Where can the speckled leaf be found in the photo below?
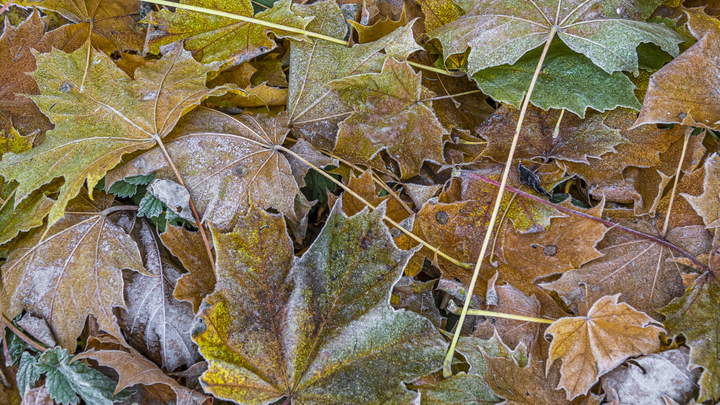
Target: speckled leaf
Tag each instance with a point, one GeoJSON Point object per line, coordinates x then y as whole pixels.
{"type": "Point", "coordinates": [364, 186]}
{"type": "Point", "coordinates": [321, 329]}
{"type": "Point", "coordinates": [439, 12]}
{"type": "Point", "coordinates": [226, 162]}
{"type": "Point", "coordinates": [568, 80]}
{"type": "Point", "coordinates": [590, 346]}
{"type": "Point", "coordinates": [314, 109]}
{"type": "Point", "coordinates": [707, 204]}
{"type": "Point", "coordinates": [461, 388]}
{"type": "Point", "coordinates": [155, 321]}
{"type": "Point", "coordinates": [114, 115]}
{"type": "Point", "coordinates": [696, 316]}
{"type": "Point", "coordinates": [190, 249]}
{"type": "Point", "coordinates": [390, 115]}
{"type": "Point", "coordinates": [213, 38]}
{"type": "Point", "coordinates": [683, 91]}
{"type": "Point", "coordinates": [73, 272]}
{"type": "Point", "coordinates": [576, 140]}
{"type": "Point", "coordinates": [134, 369]}
{"type": "Point", "coordinates": [500, 32]}
{"type": "Point", "coordinates": [29, 213]}
{"type": "Point", "coordinates": [111, 23]}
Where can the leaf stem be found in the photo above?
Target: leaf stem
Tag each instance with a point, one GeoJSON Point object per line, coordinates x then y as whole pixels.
{"type": "Point", "coordinates": [596, 219]}
{"type": "Point", "coordinates": [25, 338]}
{"type": "Point", "coordinates": [677, 177]}
{"type": "Point", "coordinates": [6, 6]}
{"type": "Point", "coordinates": [451, 95]}
{"type": "Point", "coordinates": [284, 28]}
{"type": "Point", "coordinates": [456, 310]}
{"type": "Point", "coordinates": [437, 251]}
{"type": "Point", "coordinates": [201, 228]}
{"type": "Point", "coordinates": [447, 365]}
{"type": "Point", "coordinates": [117, 208]}
{"type": "Point", "coordinates": [556, 132]}
{"type": "Point", "coordinates": [3, 202]}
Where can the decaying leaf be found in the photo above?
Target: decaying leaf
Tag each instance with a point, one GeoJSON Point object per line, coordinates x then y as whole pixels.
{"type": "Point", "coordinates": [101, 118]}
{"type": "Point", "coordinates": [590, 346]}
{"type": "Point", "coordinates": [310, 330]}
{"type": "Point", "coordinates": [707, 204]}
{"type": "Point", "coordinates": [72, 270]}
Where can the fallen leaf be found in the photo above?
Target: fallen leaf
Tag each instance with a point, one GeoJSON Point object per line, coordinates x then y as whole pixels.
{"type": "Point", "coordinates": [646, 380]}
{"type": "Point", "coordinates": [439, 12]}
{"type": "Point", "coordinates": [213, 38]}
{"type": "Point", "coordinates": [364, 186]}
{"type": "Point", "coordinates": [379, 29]}
{"type": "Point", "coordinates": [707, 204]}
{"type": "Point", "coordinates": [318, 325]}
{"type": "Point", "coordinates": [38, 396]}
{"type": "Point", "coordinates": [111, 117]}
{"type": "Point", "coordinates": [417, 297]}
{"type": "Point", "coordinates": [76, 265]}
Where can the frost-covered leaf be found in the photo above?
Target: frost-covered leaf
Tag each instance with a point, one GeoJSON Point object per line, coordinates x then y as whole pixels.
{"type": "Point", "coordinates": [390, 114]}
{"type": "Point", "coordinates": [213, 38]}
{"type": "Point", "coordinates": [500, 32]}
{"type": "Point", "coordinates": [155, 319]}
{"type": "Point", "coordinates": [590, 346]}
{"type": "Point", "coordinates": [112, 116]}
{"type": "Point", "coordinates": [707, 204]}
{"type": "Point", "coordinates": [72, 272]}
{"type": "Point", "coordinates": [320, 327]}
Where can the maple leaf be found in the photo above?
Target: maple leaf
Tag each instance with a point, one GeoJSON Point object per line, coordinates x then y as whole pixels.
{"type": "Point", "coordinates": [188, 247]}
{"type": "Point", "coordinates": [590, 346]}
{"type": "Point", "coordinates": [364, 186]}
{"type": "Point", "coordinates": [500, 32]}
{"type": "Point", "coordinates": [649, 378]}
{"type": "Point", "coordinates": [214, 38]}
{"type": "Point", "coordinates": [313, 108]}
{"type": "Point", "coordinates": [707, 204]}
{"type": "Point", "coordinates": [73, 271]}
{"type": "Point", "coordinates": [319, 324]}
{"type": "Point", "coordinates": [155, 319]}
{"type": "Point", "coordinates": [439, 12]}
{"type": "Point", "coordinates": [390, 114]}
{"type": "Point", "coordinates": [465, 112]}
{"type": "Point", "coordinates": [135, 369]}
{"type": "Point", "coordinates": [568, 80]}
{"type": "Point", "coordinates": [695, 315]}
{"type": "Point", "coordinates": [109, 23]}
{"type": "Point", "coordinates": [226, 162]}
{"type": "Point", "coordinates": [417, 297]}
{"type": "Point", "coordinates": [677, 93]}
{"type": "Point", "coordinates": [576, 140]}
{"type": "Point", "coordinates": [28, 214]}
{"type": "Point", "coordinates": [111, 117]}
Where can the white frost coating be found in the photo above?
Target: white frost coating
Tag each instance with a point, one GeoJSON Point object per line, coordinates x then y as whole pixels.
{"type": "Point", "coordinates": [175, 196]}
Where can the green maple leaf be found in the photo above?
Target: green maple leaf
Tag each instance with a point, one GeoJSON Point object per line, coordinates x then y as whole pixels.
{"type": "Point", "coordinates": [500, 32]}
{"type": "Point", "coordinates": [316, 330]}
{"type": "Point", "coordinates": [111, 116]}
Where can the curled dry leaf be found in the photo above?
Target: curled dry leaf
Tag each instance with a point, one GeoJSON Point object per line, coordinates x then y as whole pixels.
{"type": "Point", "coordinates": [135, 369]}
{"type": "Point", "coordinates": [312, 329]}
{"type": "Point", "coordinates": [390, 114]}
{"type": "Point", "coordinates": [110, 116]}
{"type": "Point", "coordinates": [72, 272]}
{"type": "Point", "coordinates": [707, 204]}
{"type": "Point", "coordinates": [590, 346]}
{"type": "Point", "coordinates": [364, 186]}
{"type": "Point", "coordinates": [227, 163]}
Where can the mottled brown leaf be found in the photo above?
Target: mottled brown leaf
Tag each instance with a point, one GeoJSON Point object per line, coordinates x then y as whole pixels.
{"type": "Point", "coordinates": [707, 204]}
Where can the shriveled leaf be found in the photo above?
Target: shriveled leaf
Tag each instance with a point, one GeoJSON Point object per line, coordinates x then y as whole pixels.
{"type": "Point", "coordinates": [576, 140]}
{"type": "Point", "coordinates": [645, 380]}
{"type": "Point", "coordinates": [379, 29]}
{"type": "Point", "coordinates": [417, 297]}
{"type": "Point", "coordinates": [390, 114]}
{"type": "Point", "coordinates": [29, 213]}
{"type": "Point", "coordinates": [156, 321]}
{"type": "Point", "coordinates": [696, 316]}
{"type": "Point", "coordinates": [680, 91]}
{"type": "Point", "coordinates": [318, 326]}
{"type": "Point", "coordinates": [135, 369]}
{"type": "Point", "coordinates": [213, 38]}
{"type": "Point", "coordinates": [569, 80]}
{"type": "Point", "coordinates": [226, 163]}
{"type": "Point", "coordinates": [590, 346]}
{"type": "Point", "coordinates": [707, 204]}
{"type": "Point", "coordinates": [110, 23]}
{"type": "Point", "coordinates": [38, 396]}
{"type": "Point", "coordinates": [313, 108]}
{"type": "Point", "coordinates": [501, 32]}
{"type": "Point", "coordinates": [190, 249]}
{"type": "Point", "coordinates": [111, 117]}
{"type": "Point", "coordinates": [364, 186]}
{"type": "Point", "coordinates": [73, 272]}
